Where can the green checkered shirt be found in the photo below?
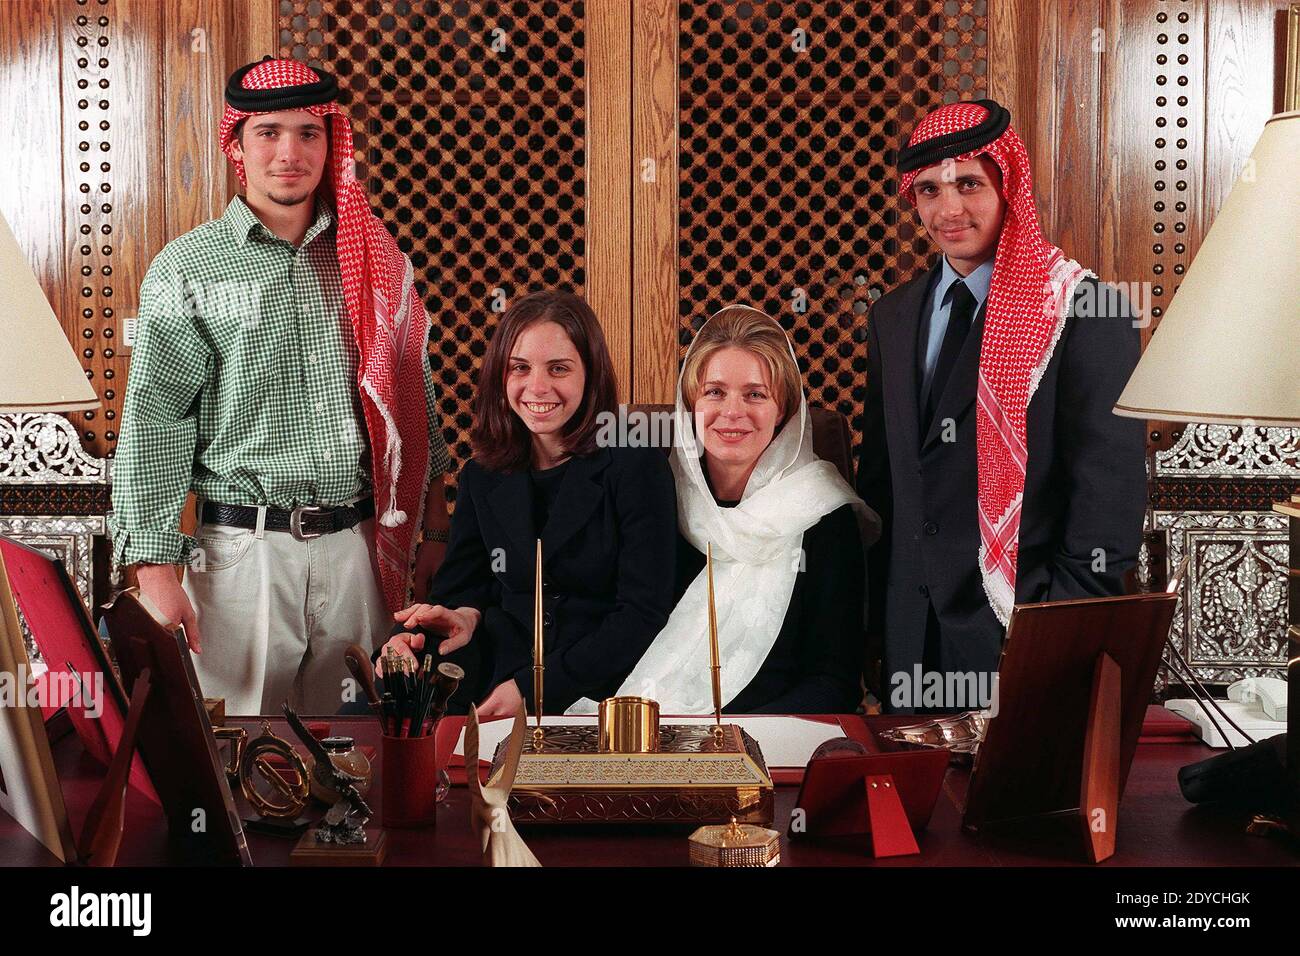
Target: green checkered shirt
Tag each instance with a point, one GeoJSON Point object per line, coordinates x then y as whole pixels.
{"type": "Point", "coordinates": [242, 385]}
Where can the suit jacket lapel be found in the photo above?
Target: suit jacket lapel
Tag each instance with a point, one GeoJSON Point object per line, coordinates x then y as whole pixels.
{"type": "Point", "coordinates": [512, 503]}
{"type": "Point", "coordinates": [959, 394]}
{"type": "Point", "coordinates": [580, 494]}
{"type": "Point", "coordinates": [898, 355]}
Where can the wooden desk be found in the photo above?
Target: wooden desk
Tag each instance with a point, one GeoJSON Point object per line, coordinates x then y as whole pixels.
{"type": "Point", "coordinates": [1157, 827]}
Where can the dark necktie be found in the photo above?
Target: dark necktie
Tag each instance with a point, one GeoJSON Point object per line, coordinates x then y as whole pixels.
{"type": "Point", "coordinates": [960, 316]}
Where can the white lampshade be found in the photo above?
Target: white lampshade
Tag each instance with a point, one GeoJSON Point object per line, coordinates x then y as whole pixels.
{"type": "Point", "coordinates": [39, 372]}
{"type": "Point", "coordinates": [1228, 349]}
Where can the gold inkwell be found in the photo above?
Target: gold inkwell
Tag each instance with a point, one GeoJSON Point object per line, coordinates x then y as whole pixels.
{"type": "Point", "coordinates": [628, 768]}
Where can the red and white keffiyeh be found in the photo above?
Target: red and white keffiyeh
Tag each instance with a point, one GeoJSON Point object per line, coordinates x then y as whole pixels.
{"type": "Point", "coordinates": [389, 324]}
{"type": "Point", "coordinates": [1033, 283]}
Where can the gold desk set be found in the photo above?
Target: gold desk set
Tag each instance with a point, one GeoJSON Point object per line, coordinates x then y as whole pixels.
{"type": "Point", "coordinates": [627, 768]}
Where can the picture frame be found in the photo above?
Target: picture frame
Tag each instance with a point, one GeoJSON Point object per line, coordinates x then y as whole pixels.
{"type": "Point", "coordinates": [175, 735]}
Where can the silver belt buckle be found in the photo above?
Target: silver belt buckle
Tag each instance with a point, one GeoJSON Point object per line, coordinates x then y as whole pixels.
{"type": "Point", "coordinates": [295, 521]}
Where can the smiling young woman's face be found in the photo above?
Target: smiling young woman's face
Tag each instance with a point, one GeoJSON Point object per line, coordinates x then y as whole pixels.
{"type": "Point", "coordinates": [736, 413]}
{"type": "Point", "coordinates": [544, 379]}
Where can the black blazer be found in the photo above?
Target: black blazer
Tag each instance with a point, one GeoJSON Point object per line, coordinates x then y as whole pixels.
{"type": "Point", "coordinates": [1085, 487]}
{"type": "Point", "coordinates": [607, 562]}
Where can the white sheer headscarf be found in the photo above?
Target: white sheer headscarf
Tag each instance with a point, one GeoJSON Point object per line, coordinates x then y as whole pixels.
{"type": "Point", "coordinates": [757, 556]}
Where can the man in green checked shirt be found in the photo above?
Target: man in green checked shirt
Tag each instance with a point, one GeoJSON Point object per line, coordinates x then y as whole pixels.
{"type": "Point", "coordinates": [281, 373]}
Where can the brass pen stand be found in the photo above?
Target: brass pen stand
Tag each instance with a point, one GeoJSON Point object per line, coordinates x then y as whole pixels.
{"type": "Point", "coordinates": [682, 773]}
{"type": "Point", "coordinates": [628, 769]}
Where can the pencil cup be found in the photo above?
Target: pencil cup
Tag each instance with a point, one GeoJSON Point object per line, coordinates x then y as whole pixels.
{"type": "Point", "coordinates": [408, 773]}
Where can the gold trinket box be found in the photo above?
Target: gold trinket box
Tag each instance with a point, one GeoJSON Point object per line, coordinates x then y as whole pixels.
{"type": "Point", "coordinates": [735, 844]}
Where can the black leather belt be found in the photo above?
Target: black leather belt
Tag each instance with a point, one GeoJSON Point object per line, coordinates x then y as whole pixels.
{"type": "Point", "coordinates": [303, 522]}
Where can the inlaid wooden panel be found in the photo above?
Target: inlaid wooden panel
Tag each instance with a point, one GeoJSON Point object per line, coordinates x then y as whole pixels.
{"type": "Point", "coordinates": [654, 199]}
{"type": "Point", "coordinates": [1046, 62]}
{"type": "Point", "coordinates": [470, 122]}
{"type": "Point", "coordinates": [608, 179]}
{"type": "Point", "coordinates": [192, 102]}
{"type": "Point", "coordinates": [31, 123]}
{"type": "Point", "coordinates": [790, 120]}
{"type": "Point", "coordinates": [1154, 117]}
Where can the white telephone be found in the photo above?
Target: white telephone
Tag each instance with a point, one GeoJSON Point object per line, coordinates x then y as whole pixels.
{"type": "Point", "coordinates": [1267, 693]}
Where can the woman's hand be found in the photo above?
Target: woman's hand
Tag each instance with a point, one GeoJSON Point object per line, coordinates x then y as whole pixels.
{"type": "Point", "coordinates": [402, 645]}
{"type": "Point", "coordinates": [458, 625]}
{"type": "Point", "coordinates": [502, 702]}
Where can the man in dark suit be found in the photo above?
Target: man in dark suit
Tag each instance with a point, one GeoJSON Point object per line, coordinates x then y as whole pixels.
{"type": "Point", "coordinates": [989, 446]}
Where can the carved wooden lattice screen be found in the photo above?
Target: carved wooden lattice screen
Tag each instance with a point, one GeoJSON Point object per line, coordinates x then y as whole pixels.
{"type": "Point", "coordinates": [471, 123]}
{"type": "Point", "coordinates": [790, 118]}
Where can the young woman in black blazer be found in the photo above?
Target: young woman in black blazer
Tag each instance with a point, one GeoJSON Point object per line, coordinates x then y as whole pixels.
{"type": "Point", "coordinates": [607, 518]}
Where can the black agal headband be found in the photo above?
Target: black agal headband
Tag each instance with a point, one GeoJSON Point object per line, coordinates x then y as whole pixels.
{"type": "Point", "coordinates": [326, 90]}
{"type": "Point", "coordinates": [950, 145]}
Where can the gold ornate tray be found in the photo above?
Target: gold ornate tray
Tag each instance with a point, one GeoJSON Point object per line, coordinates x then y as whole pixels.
{"type": "Point", "coordinates": [694, 778]}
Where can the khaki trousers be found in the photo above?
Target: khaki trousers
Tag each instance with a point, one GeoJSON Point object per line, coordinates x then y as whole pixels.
{"type": "Point", "coordinates": [276, 614]}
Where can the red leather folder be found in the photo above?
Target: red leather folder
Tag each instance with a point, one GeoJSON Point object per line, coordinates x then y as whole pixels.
{"type": "Point", "coordinates": [1161, 726]}
{"type": "Point", "coordinates": [68, 642]}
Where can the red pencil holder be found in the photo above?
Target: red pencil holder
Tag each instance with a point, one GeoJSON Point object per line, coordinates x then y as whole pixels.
{"type": "Point", "coordinates": [408, 775]}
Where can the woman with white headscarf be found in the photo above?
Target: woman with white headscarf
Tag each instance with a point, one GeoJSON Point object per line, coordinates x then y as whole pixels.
{"type": "Point", "coordinates": [787, 532]}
